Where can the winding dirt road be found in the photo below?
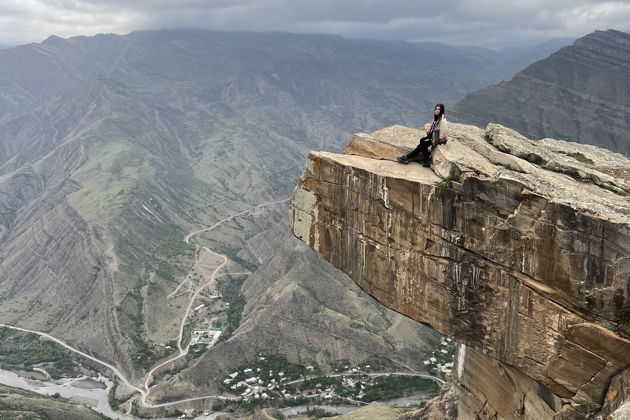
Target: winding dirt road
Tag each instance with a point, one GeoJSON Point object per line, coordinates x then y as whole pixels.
{"type": "Point", "coordinates": [144, 391]}
{"type": "Point", "coordinates": [183, 351]}
{"type": "Point", "coordinates": [79, 352]}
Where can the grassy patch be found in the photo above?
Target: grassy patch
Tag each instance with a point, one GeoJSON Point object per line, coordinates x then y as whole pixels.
{"type": "Point", "coordinates": [398, 386]}
{"type": "Point", "coordinates": [580, 157]}
{"type": "Point", "coordinates": [444, 183]}
{"type": "Point", "coordinates": [231, 292]}
{"type": "Point", "coordinates": [232, 254]}
{"type": "Point", "coordinates": [275, 413]}
{"type": "Point", "coordinates": [164, 315]}
{"type": "Point", "coordinates": [111, 396]}
{"type": "Point", "coordinates": [144, 354]}
{"type": "Point", "coordinates": [318, 413]}
{"type": "Point", "coordinates": [156, 273]}
{"type": "Point", "coordinates": [22, 351]}
{"type": "Point", "coordinates": [171, 260]}
{"type": "Point", "coordinates": [113, 169]}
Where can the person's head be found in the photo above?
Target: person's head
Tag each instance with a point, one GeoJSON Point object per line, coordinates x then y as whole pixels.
{"type": "Point", "coordinates": [438, 111]}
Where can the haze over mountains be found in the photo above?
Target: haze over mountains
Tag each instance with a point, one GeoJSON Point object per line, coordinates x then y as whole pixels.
{"type": "Point", "coordinates": [579, 93]}
{"type": "Point", "coordinates": [508, 61]}
{"type": "Point", "coordinates": [113, 148]}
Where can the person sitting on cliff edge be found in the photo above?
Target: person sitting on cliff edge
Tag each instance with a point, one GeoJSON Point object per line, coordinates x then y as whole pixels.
{"type": "Point", "coordinates": [437, 134]}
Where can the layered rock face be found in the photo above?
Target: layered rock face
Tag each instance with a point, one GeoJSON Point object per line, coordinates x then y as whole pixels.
{"type": "Point", "coordinates": [519, 250]}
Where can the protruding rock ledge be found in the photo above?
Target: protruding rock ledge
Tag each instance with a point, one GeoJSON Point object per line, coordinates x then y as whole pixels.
{"type": "Point", "coordinates": [518, 249]}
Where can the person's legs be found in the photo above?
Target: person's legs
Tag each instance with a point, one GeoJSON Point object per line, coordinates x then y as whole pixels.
{"type": "Point", "coordinates": [415, 152]}
{"type": "Point", "coordinates": [426, 155]}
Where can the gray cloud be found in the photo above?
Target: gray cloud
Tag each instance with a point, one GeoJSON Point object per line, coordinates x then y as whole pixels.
{"type": "Point", "coordinates": [488, 23]}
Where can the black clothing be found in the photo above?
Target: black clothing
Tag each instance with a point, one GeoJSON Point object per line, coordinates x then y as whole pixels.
{"type": "Point", "coordinates": [423, 147]}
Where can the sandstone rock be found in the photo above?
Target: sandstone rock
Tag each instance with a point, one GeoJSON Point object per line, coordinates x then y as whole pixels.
{"type": "Point", "coordinates": [440, 408]}
{"type": "Point", "coordinates": [617, 401]}
{"type": "Point", "coordinates": [516, 249]}
{"type": "Point", "coordinates": [558, 156]}
{"type": "Point", "coordinates": [365, 145]}
{"type": "Point", "coordinates": [623, 413]}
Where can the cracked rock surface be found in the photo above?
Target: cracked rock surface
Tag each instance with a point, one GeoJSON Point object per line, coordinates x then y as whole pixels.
{"type": "Point", "coordinates": [520, 250]}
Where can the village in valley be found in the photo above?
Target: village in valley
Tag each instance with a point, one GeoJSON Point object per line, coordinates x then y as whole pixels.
{"type": "Point", "coordinates": [274, 381]}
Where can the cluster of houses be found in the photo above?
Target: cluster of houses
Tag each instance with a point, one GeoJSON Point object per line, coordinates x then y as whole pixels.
{"type": "Point", "coordinates": [254, 387]}
{"type": "Point", "coordinates": [280, 380]}
{"type": "Point", "coordinates": [278, 385]}
{"type": "Point", "coordinates": [442, 360]}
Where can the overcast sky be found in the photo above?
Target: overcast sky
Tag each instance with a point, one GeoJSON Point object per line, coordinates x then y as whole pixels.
{"type": "Point", "coordinates": [488, 23]}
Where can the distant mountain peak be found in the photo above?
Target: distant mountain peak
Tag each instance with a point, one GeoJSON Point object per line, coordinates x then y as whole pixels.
{"type": "Point", "coordinates": [611, 42]}
{"type": "Point", "coordinates": [608, 32]}
{"type": "Point", "coordinates": [607, 35]}
{"type": "Point", "coordinates": [579, 93]}
{"type": "Point", "coordinates": [53, 40]}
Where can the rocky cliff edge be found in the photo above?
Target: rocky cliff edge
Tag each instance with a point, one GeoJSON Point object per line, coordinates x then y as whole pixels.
{"type": "Point", "coordinates": [518, 249]}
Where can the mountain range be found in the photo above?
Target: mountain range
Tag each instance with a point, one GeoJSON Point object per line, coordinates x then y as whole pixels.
{"type": "Point", "coordinates": [579, 93]}
{"type": "Point", "coordinates": [114, 148]}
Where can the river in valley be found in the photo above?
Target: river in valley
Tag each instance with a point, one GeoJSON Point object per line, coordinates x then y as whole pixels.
{"type": "Point", "coordinates": [94, 393]}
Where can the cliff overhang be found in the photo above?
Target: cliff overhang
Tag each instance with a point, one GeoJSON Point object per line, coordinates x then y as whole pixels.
{"type": "Point", "coordinates": [519, 250]}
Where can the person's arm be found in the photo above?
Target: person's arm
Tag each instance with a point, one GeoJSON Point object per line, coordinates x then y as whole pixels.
{"type": "Point", "coordinates": [443, 129]}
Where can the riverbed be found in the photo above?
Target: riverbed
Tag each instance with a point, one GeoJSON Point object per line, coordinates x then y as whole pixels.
{"type": "Point", "coordinates": [92, 392]}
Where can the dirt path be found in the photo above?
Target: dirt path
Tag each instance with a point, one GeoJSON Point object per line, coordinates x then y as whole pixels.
{"type": "Point", "coordinates": [80, 353]}
{"type": "Point", "coordinates": [183, 351]}
{"type": "Point", "coordinates": [144, 391]}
